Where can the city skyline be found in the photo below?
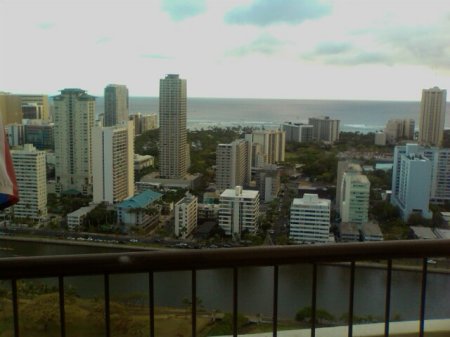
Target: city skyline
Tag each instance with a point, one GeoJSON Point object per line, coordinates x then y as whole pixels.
{"type": "Point", "coordinates": [302, 49]}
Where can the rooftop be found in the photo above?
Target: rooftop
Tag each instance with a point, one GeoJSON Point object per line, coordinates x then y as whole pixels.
{"type": "Point", "coordinates": [141, 200]}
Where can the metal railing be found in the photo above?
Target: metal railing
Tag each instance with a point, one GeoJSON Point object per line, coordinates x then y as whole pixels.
{"type": "Point", "coordinates": [19, 268]}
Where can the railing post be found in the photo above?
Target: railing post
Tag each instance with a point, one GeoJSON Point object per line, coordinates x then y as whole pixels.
{"type": "Point", "coordinates": [314, 300]}
{"type": "Point", "coordinates": [235, 302]}
{"type": "Point", "coordinates": [275, 301]}
{"type": "Point", "coordinates": [387, 312]}
{"type": "Point", "coordinates": [62, 313]}
{"type": "Point", "coordinates": [15, 307]}
{"type": "Point", "coordinates": [107, 308]}
{"type": "Point", "coordinates": [423, 297]}
{"type": "Point", "coordinates": [351, 299]}
{"type": "Point", "coordinates": [151, 299]}
{"type": "Point", "coordinates": [194, 302]}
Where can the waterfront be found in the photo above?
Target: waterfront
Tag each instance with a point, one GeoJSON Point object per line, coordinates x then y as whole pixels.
{"type": "Point", "coordinates": [362, 116]}
{"type": "Point", "coordinates": [255, 286]}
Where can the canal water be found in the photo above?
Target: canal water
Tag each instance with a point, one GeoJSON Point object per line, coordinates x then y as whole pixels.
{"type": "Point", "coordinates": [214, 287]}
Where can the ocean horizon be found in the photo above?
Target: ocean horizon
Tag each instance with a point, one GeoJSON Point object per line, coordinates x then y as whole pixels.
{"type": "Point", "coordinates": [355, 115]}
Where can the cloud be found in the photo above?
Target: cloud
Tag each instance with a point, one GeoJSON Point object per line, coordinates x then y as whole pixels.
{"type": "Point", "coordinates": [265, 44]}
{"type": "Point", "coordinates": [103, 40]}
{"type": "Point", "coordinates": [391, 44]}
{"type": "Point", "coordinates": [179, 10]}
{"type": "Point", "coordinates": [156, 56]}
{"type": "Point", "coordinates": [331, 48]}
{"type": "Point", "coordinates": [268, 12]}
{"type": "Point", "coordinates": [45, 25]}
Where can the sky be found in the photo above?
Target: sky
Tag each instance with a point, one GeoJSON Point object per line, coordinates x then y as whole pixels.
{"type": "Point", "coordinates": [301, 49]}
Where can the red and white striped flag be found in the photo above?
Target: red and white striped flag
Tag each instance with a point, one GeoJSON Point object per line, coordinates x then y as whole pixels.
{"type": "Point", "coordinates": [9, 195]}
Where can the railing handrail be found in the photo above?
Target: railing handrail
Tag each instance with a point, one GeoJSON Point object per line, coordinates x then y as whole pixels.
{"type": "Point", "coordinates": [135, 262]}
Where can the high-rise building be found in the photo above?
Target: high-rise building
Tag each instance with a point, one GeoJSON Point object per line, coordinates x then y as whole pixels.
{"type": "Point", "coordinates": [310, 219]}
{"type": "Point", "coordinates": [143, 122]}
{"type": "Point", "coordinates": [35, 106]}
{"type": "Point", "coordinates": [268, 182]}
{"type": "Point", "coordinates": [440, 170]}
{"type": "Point", "coordinates": [40, 134]}
{"type": "Point", "coordinates": [271, 147]}
{"type": "Point", "coordinates": [116, 104]}
{"type": "Point", "coordinates": [355, 194]}
{"type": "Point", "coordinates": [10, 109]}
{"type": "Point", "coordinates": [174, 151]}
{"type": "Point", "coordinates": [298, 132]}
{"type": "Point", "coordinates": [411, 181]}
{"type": "Point", "coordinates": [399, 129]}
{"type": "Point", "coordinates": [186, 216]}
{"type": "Point", "coordinates": [325, 129]}
{"type": "Point", "coordinates": [15, 133]}
{"type": "Point", "coordinates": [113, 162]}
{"type": "Point", "coordinates": [29, 165]}
{"type": "Point", "coordinates": [432, 116]}
{"type": "Point", "coordinates": [74, 112]}
{"type": "Point", "coordinates": [238, 211]}
{"type": "Point", "coordinates": [233, 164]}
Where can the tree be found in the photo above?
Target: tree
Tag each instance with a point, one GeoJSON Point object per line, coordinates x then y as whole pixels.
{"type": "Point", "coordinates": [322, 316]}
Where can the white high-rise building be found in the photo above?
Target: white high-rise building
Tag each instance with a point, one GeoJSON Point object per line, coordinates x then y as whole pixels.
{"type": "Point", "coordinates": [355, 194]}
{"type": "Point", "coordinates": [310, 219]}
{"type": "Point", "coordinates": [186, 216]}
{"type": "Point", "coordinates": [238, 211]}
{"type": "Point", "coordinates": [113, 162]}
{"type": "Point", "coordinates": [233, 164]}
{"type": "Point", "coordinates": [271, 149]}
{"type": "Point", "coordinates": [74, 115]}
{"type": "Point", "coordinates": [174, 150]}
{"type": "Point", "coordinates": [325, 129]}
{"type": "Point", "coordinates": [116, 104]}
{"type": "Point", "coordinates": [30, 167]}
{"type": "Point", "coordinates": [432, 116]}
{"type": "Point", "coordinates": [411, 181]}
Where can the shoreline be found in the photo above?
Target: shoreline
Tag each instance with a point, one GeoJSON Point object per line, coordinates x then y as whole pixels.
{"type": "Point", "coordinates": [126, 247]}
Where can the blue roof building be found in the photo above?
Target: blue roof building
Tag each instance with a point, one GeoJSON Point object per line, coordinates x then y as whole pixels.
{"type": "Point", "coordinates": [140, 211]}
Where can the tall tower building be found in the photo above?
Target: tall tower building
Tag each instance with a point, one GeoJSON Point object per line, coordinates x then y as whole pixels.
{"type": "Point", "coordinates": [173, 155]}
{"type": "Point", "coordinates": [116, 104]}
{"type": "Point", "coordinates": [113, 162]}
{"type": "Point", "coordinates": [74, 112]}
{"type": "Point", "coordinates": [432, 116]}
{"type": "Point", "coordinates": [29, 164]}
{"type": "Point", "coordinates": [233, 164]}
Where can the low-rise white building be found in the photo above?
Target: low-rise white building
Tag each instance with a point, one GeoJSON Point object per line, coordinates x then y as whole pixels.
{"type": "Point", "coordinates": [310, 219]}
{"type": "Point", "coordinates": [142, 162]}
{"type": "Point", "coordinates": [186, 216]}
{"type": "Point", "coordinates": [75, 219]}
{"type": "Point", "coordinates": [239, 211]}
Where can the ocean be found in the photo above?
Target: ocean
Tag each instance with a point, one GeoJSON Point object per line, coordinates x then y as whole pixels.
{"type": "Point", "coordinates": [362, 116]}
